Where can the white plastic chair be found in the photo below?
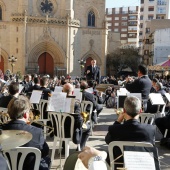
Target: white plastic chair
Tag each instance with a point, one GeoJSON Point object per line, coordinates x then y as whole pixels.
{"type": "Point", "coordinates": [12, 156]}
{"type": "Point", "coordinates": [120, 144]}
{"type": "Point", "coordinates": [84, 105]}
{"type": "Point", "coordinates": [146, 118]}
{"type": "Point", "coordinates": [58, 122]}
{"type": "Point", "coordinates": [42, 107]}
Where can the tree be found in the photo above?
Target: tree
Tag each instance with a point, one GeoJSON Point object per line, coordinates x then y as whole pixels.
{"type": "Point", "coordinates": [123, 58]}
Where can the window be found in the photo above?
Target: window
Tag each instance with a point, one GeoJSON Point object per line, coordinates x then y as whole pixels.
{"type": "Point", "coordinates": [109, 24]}
{"type": "Point", "coordinates": [123, 35]}
{"type": "Point", "coordinates": [91, 19]}
{"type": "Point", "coordinates": [150, 17]}
{"type": "Point", "coordinates": [116, 30]}
{"type": "Point", "coordinates": [141, 9]}
{"type": "Point", "coordinates": [116, 24]}
{"type": "Point", "coordinates": [0, 13]}
{"type": "Point", "coordinates": [124, 23]}
{"type": "Point", "coordinates": [116, 18]}
{"type": "Point", "coordinates": [124, 18]}
{"type": "Point", "coordinates": [141, 17]}
{"type": "Point", "coordinates": [109, 11]}
{"type": "Point", "coordinates": [124, 29]}
{"type": "Point", "coordinates": [147, 30]}
{"type": "Point", "coordinates": [141, 25]}
{"type": "Point", "coordinates": [142, 1]}
{"type": "Point", "coordinates": [151, 9]}
{"type": "Point", "coordinates": [109, 18]}
{"type": "Point", "coordinates": [151, 0]}
{"type": "Point", "coordinates": [141, 33]}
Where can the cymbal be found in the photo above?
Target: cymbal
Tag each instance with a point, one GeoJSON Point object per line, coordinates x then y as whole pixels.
{"type": "Point", "coordinates": [10, 139]}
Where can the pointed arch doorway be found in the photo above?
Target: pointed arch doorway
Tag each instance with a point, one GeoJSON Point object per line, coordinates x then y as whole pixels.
{"type": "Point", "coordinates": [46, 64]}
{"type": "Point", "coordinates": [2, 63]}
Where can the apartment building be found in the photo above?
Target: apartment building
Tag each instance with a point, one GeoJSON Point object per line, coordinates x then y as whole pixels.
{"type": "Point", "coordinates": [149, 10]}
{"type": "Point", "coordinates": [125, 20]}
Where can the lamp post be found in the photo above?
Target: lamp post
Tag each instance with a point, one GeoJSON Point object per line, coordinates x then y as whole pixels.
{"type": "Point", "coordinates": [82, 62]}
{"type": "Point", "coordinates": [12, 60]}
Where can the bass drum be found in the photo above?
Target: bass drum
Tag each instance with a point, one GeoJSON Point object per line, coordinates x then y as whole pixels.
{"type": "Point", "coordinates": [74, 163]}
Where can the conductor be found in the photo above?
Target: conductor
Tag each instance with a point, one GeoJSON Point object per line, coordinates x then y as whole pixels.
{"type": "Point", "coordinates": [93, 72]}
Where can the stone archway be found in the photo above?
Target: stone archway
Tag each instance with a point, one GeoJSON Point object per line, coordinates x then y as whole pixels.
{"type": "Point", "coordinates": [2, 63]}
{"type": "Point", "coordinates": [56, 53]}
{"type": "Point", "coordinates": [3, 60]}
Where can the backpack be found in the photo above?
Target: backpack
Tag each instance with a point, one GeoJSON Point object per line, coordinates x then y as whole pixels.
{"type": "Point", "coordinates": [110, 102]}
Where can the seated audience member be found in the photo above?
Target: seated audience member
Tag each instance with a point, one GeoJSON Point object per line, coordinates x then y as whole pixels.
{"type": "Point", "coordinates": [154, 81]}
{"type": "Point", "coordinates": [159, 89]}
{"type": "Point", "coordinates": [80, 135]}
{"type": "Point", "coordinates": [163, 123]}
{"type": "Point", "coordinates": [13, 90]}
{"type": "Point", "coordinates": [130, 129]}
{"type": "Point", "coordinates": [46, 92]}
{"type": "Point", "coordinates": [90, 97]}
{"type": "Point", "coordinates": [93, 159]}
{"type": "Point", "coordinates": [18, 110]}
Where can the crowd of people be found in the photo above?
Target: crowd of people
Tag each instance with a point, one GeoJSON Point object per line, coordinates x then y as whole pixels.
{"type": "Point", "coordinates": [126, 128]}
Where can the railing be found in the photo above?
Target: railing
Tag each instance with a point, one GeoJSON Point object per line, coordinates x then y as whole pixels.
{"type": "Point", "coordinates": [20, 17]}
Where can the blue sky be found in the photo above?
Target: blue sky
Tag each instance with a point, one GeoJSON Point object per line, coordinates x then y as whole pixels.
{"type": "Point", "coordinates": [120, 3]}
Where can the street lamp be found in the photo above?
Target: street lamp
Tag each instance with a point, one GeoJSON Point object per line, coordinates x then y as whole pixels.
{"type": "Point", "coordinates": [82, 62]}
{"type": "Point", "coordinates": [12, 60]}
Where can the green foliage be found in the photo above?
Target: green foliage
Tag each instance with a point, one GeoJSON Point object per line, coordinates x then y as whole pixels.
{"type": "Point", "coordinates": [123, 58]}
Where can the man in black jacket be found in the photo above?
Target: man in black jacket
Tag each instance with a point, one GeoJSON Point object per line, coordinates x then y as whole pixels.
{"type": "Point", "coordinates": [131, 129]}
{"type": "Point", "coordinates": [90, 97]}
{"type": "Point", "coordinates": [141, 85]}
{"type": "Point", "coordinates": [18, 110]}
{"type": "Point", "coordinates": [13, 90]}
{"type": "Point", "coordinates": [80, 135]}
{"type": "Point", "coordinates": [93, 72]}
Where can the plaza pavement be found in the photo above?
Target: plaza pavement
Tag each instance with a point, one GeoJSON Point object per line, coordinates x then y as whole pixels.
{"type": "Point", "coordinates": [107, 117]}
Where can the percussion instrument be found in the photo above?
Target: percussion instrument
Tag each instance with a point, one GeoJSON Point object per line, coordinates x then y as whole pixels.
{"type": "Point", "coordinates": [10, 139]}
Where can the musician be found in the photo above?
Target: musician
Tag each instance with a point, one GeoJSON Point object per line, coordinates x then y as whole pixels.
{"type": "Point", "coordinates": [90, 97]}
{"type": "Point", "coordinates": [141, 85]}
{"type": "Point", "coordinates": [93, 72]}
{"type": "Point", "coordinates": [27, 83]}
{"type": "Point", "coordinates": [18, 110]}
{"type": "Point", "coordinates": [80, 135]}
{"type": "Point", "coordinates": [36, 85]}
{"type": "Point", "coordinates": [46, 92]}
{"type": "Point", "coordinates": [131, 129]}
{"type": "Point", "coordinates": [13, 90]}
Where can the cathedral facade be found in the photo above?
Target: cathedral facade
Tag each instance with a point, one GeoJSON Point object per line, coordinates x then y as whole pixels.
{"type": "Point", "coordinates": [52, 36]}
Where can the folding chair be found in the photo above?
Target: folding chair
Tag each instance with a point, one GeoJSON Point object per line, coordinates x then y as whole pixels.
{"type": "Point", "coordinates": [146, 118]}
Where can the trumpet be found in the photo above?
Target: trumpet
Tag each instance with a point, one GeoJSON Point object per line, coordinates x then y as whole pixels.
{"type": "Point", "coordinates": [119, 111]}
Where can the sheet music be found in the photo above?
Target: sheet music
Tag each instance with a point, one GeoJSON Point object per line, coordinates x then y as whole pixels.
{"type": "Point", "coordinates": [139, 160]}
{"type": "Point", "coordinates": [122, 92]}
{"type": "Point", "coordinates": [89, 90]}
{"type": "Point", "coordinates": [20, 88]}
{"type": "Point", "coordinates": [69, 105]}
{"type": "Point", "coordinates": [57, 102]}
{"type": "Point", "coordinates": [58, 89]}
{"type": "Point", "coordinates": [35, 96]}
{"type": "Point", "coordinates": [167, 96]}
{"type": "Point", "coordinates": [78, 94]}
{"type": "Point", "coordinates": [156, 99]}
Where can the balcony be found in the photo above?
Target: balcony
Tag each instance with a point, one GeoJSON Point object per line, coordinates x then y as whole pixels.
{"type": "Point", "coordinates": [132, 24]}
{"type": "Point", "coordinates": [151, 53]}
{"type": "Point", "coordinates": [133, 12]}
{"type": "Point", "coordinates": [134, 18]}
{"type": "Point", "coordinates": [132, 30]}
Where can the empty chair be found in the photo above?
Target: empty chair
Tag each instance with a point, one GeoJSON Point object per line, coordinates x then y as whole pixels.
{"type": "Point", "coordinates": [120, 144]}
{"type": "Point", "coordinates": [15, 157]}
{"type": "Point", "coordinates": [146, 118]}
{"type": "Point", "coordinates": [87, 106]}
{"type": "Point", "coordinates": [60, 133]}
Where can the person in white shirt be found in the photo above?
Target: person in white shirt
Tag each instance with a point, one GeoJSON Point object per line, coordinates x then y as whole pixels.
{"type": "Point", "coordinates": [93, 159]}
